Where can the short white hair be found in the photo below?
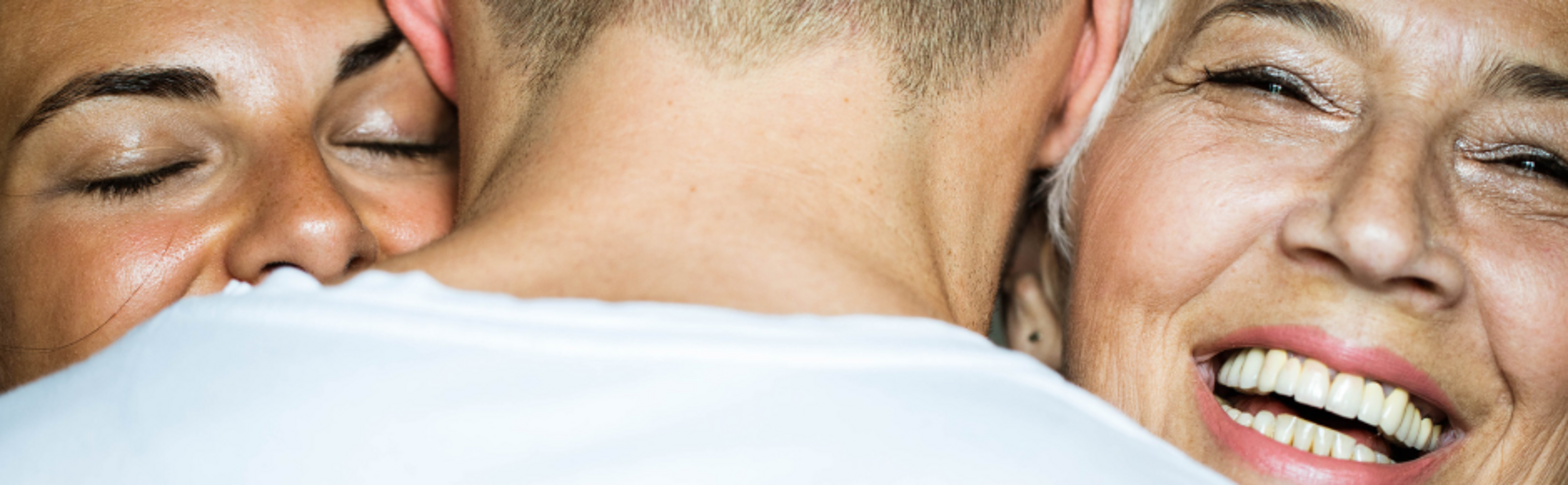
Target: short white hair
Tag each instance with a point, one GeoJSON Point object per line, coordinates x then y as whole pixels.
{"type": "Point", "coordinates": [1147, 18]}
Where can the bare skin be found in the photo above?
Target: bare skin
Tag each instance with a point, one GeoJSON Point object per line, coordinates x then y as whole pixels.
{"type": "Point", "coordinates": [251, 152]}
{"type": "Point", "coordinates": [1390, 186]}
{"type": "Point", "coordinates": [796, 188]}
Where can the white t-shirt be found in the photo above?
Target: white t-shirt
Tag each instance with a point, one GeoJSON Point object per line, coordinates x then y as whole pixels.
{"type": "Point", "coordinates": [398, 379]}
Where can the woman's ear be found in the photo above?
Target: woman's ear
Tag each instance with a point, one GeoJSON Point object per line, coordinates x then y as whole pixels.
{"type": "Point", "coordinates": [1104, 30]}
{"type": "Point", "coordinates": [1032, 325]}
{"type": "Point", "coordinates": [1034, 293]}
{"type": "Point", "coordinates": [427, 26]}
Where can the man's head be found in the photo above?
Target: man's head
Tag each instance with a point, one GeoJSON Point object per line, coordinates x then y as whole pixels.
{"type": "Point", "coordinates": [894, 135]}
{"type": "Point", "coordinates": [934, 47]}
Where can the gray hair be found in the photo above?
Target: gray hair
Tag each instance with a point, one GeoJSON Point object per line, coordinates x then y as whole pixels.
{"type": "Point", "coordinates": [1147, 18]}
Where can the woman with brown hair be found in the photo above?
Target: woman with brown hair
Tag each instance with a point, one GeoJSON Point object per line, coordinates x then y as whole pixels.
{"type": "Point", "coordinates": [151, 150]}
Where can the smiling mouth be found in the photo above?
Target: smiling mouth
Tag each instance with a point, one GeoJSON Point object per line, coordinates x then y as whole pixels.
{"type": "Point", "coordinates": [1300, 402]}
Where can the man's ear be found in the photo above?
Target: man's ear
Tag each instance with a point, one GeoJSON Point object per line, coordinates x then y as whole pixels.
{"type": "Point", "coordinates": [1105, 29]}
{"type": "Point", "coordinates": [427, 26]}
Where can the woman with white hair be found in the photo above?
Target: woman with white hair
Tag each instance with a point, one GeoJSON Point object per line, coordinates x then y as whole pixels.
{"type": "Point", "coordinates": [1321, 241]}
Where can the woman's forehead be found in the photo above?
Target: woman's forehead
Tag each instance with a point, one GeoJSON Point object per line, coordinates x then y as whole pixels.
{"type": "Point", "coordinates": [97, 28]}
{"type": "Point", "coordinates": [247, 45]}
{"type": "Point", "coordinates": [1449, 32]}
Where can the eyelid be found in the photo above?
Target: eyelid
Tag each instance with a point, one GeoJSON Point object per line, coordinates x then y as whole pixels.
{"type": "Point", "coordinates": [1300, 83]}
{"type": "Point", "coordinates": [128, 156]}
{"type": "Point", "coordinates": [119, 187]}
{"type": "Point", "coordinates": [401, 148]}
{"type": "Point", "coordinates": [1314, 95]}
{"type": "Point", "coordinates": [1502, 151]}
{"type": "Point", "coordinates": [381, 128]}
{"type": "Point", "coordinates": [1555, 170]}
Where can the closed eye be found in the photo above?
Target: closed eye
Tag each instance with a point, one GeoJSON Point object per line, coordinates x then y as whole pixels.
{"type": "Point", "coordinates": [131, 185]}
{"type": "Point", "coordinates": [1531, 161]}
{"type": "Point", "coordinates": [1272, 81]}
{"type": "Point", "coordinates": [401, 150]}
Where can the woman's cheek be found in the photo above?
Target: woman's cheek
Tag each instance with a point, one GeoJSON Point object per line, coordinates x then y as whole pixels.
{"type": "Point", "coordinates": [1170, 216]}
{"type": "Point", "coordinates": [87, 284]}
{"type": "Point", "coordinates": [1525, 314]}
{"type": "Point", "coordinates": [407, 216]}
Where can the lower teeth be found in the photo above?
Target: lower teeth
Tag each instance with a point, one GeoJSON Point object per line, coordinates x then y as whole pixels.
{"type": "Point", "coordinates": [1306, 436]}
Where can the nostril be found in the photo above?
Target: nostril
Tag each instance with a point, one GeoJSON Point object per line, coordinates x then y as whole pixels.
{"type": "Point", "coordinates": [270, 267]}
{"type": "Point", "coordinates": [1423, 294]}
{"type": "Point", "coordinates": [1412, 285]}
{"type": "Point", "coordinates": [1324, 259]}
{"type": "Point", "coordinates": [357, 263]}
{"type": "Point", "coordinates": [1418, 284]}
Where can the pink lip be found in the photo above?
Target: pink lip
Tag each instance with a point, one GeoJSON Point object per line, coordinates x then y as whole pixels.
{"type": "Point", "coordinates": [1286, 462]}
{"type": "Point", "coordinates": [1337, 354]}
{"type": "Point", "coordinates": [1283, 461]}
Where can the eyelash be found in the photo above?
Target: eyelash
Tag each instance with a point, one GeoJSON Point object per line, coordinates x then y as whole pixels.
{"type": "Point", "coordinates": [1274, 82]}
{"type": "Point", "coordinates": [1532, 161]}
{"type": "Point", "coordinates": [117, 188]}
{"type": "Point", "coordinates": [401, 150]}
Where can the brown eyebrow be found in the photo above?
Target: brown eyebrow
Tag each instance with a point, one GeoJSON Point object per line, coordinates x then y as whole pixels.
{"type": "Point", "coordinates": [1529, 80]}
{"type": "Point", "coordinates": [180, 83]}
{"type": "Point", "coordinates": [1317, 17]}
{"type": "Point", "coordinates": [361, 57]}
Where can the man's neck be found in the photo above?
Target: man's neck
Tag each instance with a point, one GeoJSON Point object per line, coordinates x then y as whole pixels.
{"type": "Point", "coordinates": [805, 187]}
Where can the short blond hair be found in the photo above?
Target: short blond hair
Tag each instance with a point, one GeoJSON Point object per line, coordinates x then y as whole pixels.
{"type": "Point", "coordinates": [934, 46]}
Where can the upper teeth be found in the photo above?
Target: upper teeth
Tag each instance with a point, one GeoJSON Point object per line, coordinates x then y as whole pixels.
{"type": "Point", "coordinates": [1386, 407]}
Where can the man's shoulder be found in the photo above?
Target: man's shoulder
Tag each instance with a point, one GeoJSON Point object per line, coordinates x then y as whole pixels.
{"type": "Point", "coordinates": [379, 306]}
{"type": "Point", "coordinates": [410, 381]}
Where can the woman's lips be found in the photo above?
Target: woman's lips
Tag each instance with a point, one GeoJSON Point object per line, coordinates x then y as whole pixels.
{"type": "Point", "coordinates": [1286, 462]}
{"type": "Point", "coordinates": [1351, 402]}
{"type": "Point", "coordinates": [1275, 424]}
{"type": "Point", "coordinates": [1370, 363]}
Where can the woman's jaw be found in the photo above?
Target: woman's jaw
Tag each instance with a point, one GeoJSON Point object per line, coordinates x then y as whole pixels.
{"type": "Point", "coordinates": [1292, 402]}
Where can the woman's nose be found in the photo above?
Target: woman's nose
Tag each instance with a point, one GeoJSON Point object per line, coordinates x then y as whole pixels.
{"type": "Point", "coordinates": [1379, 223]}
{"type": "Point", "coordinates": [298, 218]}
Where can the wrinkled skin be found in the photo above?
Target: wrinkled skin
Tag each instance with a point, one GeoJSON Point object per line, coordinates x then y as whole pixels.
{"type": "Point", "coordinates": [1374, 188]}
{"type": "Point", "coordinates": [282, 165]}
